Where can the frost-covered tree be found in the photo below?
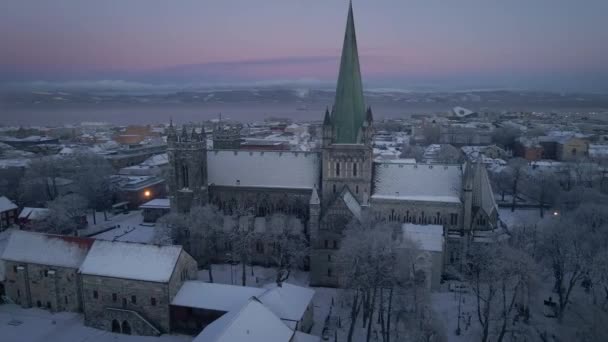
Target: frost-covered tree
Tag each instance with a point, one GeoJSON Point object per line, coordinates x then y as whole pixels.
{"type": "Point", "coordinates": [543, 187]}
{"type": "Point", "coordinates": [289, 247]}
{"type": "Point", "coordinates": [516, 171]}
{"type": "Point", "coordinates": [500, 277]}
{"type": "Point", "coordinates": [65, 215]}
{"type": "Point", "coordinates": [197, 231]}
{"type": "Point", "coordinates": [39, 183]}
{"type": "Point", "coordinates": [381, 279]}
{"type": "Point", "coordinates": [91, 174]}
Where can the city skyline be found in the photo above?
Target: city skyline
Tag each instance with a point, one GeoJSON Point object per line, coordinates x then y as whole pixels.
{"type": "Point", "coordinates": [542, 45]}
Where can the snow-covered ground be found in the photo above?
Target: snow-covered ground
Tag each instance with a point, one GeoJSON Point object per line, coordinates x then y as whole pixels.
{"type": "Point", "coordinates": [125, 221]}
{"type": "Point", "coordinates": [35, 325]}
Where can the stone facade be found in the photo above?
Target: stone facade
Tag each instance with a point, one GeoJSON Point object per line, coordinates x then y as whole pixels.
{"type": "Point", "coordinates": [144, 305]}
{"type": "Point", "coordinates": [51, 287]}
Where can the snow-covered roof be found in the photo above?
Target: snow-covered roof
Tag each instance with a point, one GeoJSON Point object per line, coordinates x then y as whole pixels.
{"type": "Point", "coordinates": [252, 323]}
{"type": "Point", "coordinates": [211, 296]}
{"type": "Point", "coordinates": [4, 235]}
{"type": "Point", "coordinates": [352, 203]}
{"type": "Point", "coordinates": [33, 213]}
{"type": "Point", "coordinates": [6, 204]}
{"type": "Point", "coordinates": [157, 203]}
{"type": "Point", "coordinates": [272, 169]}
{"type": "Point", "coordinates": [289, 302]}
{"type": "Point", "coordinates": [429, 237]}
{"type": "Point", "coordinates": [43, 249]}
{"type": "Point", "coordinates": [131, 261]}
{"type": "Point", "coordinates": [418, 182]}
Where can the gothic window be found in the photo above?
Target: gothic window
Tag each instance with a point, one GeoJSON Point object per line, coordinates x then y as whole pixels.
{"type": "Point", "coordinates": [335, 244]}
{"type": "Point", "coordinates": [334, 188]}
{"type": "Point", "coordinates": [153, 301]}
{"type": "Point", "coordinates": [326, 244]}
{"type": "Point", "coordinates": [115, 326]}
{"type": "Point", "coordinates": [453, 219]}
{"type": "Point", "coordinates": [329, 257]}
{"type": "Point", "coordinates": [133, 300]}
{"type": "Point", "coordinates": [338, 169]}
{"type": "Point", "coordinates": [355, 169]}
{"type": "Point", "coordinates": [184, 176]}
{"type": "Point", "coordinates": [126, 328]}
{"type": "Point", "coordinates": [114, 297]}
{"type": "Point", "coordinates": [95, 294]}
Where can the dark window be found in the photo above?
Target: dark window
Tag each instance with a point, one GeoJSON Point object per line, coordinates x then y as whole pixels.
{"type": "Point", "coordinates": [338, 169]}
{"type": "Point", "coordinates": [329, 272]}
{"type": "Point", "coordinates": [329, 257]}
{"type": "Point", "coordinates": [114, 297]}
{"type": "Point", "coordinates": [153, 301]}
{"type": "Point", "coordinates": [18, 293]}
{"type": "Point", "coordinates": [46, 273]}
{"type": "Point", "coordinates": [15, 269]}
{"type": "Point", "coordinates": [124, 302]}
{"type": "Point", "coordinates": [65, 299]}
{"type": "Point", "coordinates": [95, 294]}
{"type": "Point", "coordinates": [356, 188]}
{"type": "Point", "coordinates": [48, 305]}
{"type": "Point", "coordinates": [355, 169]}
{"type": "Point", "coordinates": [133, 299]}
{"type": "Point", "coordinates": [326, 244]}
{"type": "Point", "coordinates": [38, 303]}
{"type": "Point", "coordinates": [334, 188]}
{"type": "Point", "coordinates": [335, 244]}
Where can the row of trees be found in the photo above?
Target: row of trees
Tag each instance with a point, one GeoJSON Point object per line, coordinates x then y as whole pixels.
{"type": "Point", "coordinates": [563, 257]}
{"type": "Point", "coordinates": [67, 186]}
{"type": "Point", "coordinates": [209, 237]}
{"type": "Point", "coordinates": [383, 285]}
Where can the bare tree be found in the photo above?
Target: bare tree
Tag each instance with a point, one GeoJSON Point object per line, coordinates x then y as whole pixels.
{"type": "Point", "coordinates": [516, 168]}
{"type": "Point", "coordinates": [412, 151]}
{"type": "Point", "coordinates": [289, 247]}
{"type": "Point", "coordinates": [543, 187]}
{"type": "Point", "coordinates": [39, 184]}
{"type": "Point", "coordinates": [197, 231]}
{"type": "Point", "coordinates": [567, 250]}
{"type": "Point", "coordinates": [499, 276]}
{"type": "Point", "coordinates": [65, 215]}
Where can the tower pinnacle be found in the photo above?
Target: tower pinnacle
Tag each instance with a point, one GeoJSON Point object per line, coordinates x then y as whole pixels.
{"type": "Point", "coordinates": [349, 112]}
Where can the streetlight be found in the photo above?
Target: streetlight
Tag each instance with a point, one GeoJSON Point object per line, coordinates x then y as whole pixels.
{"type": "Point", "coordinates": [147, 193]}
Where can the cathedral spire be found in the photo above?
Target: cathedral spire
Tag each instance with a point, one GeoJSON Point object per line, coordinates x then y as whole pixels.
{"type": "Point", "coordinates": [349, 105]}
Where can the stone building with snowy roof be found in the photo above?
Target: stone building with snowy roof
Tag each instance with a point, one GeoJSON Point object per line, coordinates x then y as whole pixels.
{"type": "Point", "coordinates": [42, 270]}
{"type": "Point", "coordinates": [328, 188]}
{"type": "Point", "coordinates": [127, 287]}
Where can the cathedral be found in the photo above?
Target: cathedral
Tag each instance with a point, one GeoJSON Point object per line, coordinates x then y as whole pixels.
{"type": "Point", "coordinates": [326, 189]}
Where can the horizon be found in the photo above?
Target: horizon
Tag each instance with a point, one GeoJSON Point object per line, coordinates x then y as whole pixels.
{"type": "Point", "coordinates": [405, 46]}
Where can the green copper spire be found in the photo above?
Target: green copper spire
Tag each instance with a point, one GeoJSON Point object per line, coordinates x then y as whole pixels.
{"type": "Point", "coordinates": [349, 107]}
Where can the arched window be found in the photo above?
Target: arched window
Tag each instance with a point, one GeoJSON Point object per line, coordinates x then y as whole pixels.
{"type": "Point", "coordinates": [126, 328]}
{"type": "Point", "coordinates": [334, 188]}
{"type": "Point", "coordinates": [115, 326]}
{"type": "Point", "coordinates": [355, 169]}
{"type": "Point", "coordinates": [338, 169]}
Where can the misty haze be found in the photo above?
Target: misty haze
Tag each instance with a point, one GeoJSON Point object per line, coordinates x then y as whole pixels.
{"type": "Point", "coordinates": [303, 171]}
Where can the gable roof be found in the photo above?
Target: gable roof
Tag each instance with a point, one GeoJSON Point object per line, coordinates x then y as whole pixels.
{"type": "Point", "coordinates": [269, 169]}
{"type": "Point", "coordinates": [131, 261]}
{"type": "Point", "coordinates": [251, 323]}
{"type": "Point", "coordinates": [417, 182]}
{"type": "Point", "coordinates": [6, 204]}
{"type": "Point", "coordinates": [289, 302]}
{"type": "Point", "coordinates": [44, 249]}
{"type": "Point", "coordinates": [211, 296]}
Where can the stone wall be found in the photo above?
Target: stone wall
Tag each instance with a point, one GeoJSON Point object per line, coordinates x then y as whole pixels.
{"type": "Point", "coordinates": [33, 285]}
{"type": "Point", "coordinates": [100, 293]}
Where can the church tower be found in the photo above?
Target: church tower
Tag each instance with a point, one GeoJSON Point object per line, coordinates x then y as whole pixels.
{"type": "Point", "coordinates": [347, 129]}
{"type": "Point", "coordinates": [187, 154]}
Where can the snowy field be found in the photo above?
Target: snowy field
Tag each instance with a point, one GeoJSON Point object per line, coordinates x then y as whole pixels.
{"type": "Point", "coordinates": [35, 325]}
